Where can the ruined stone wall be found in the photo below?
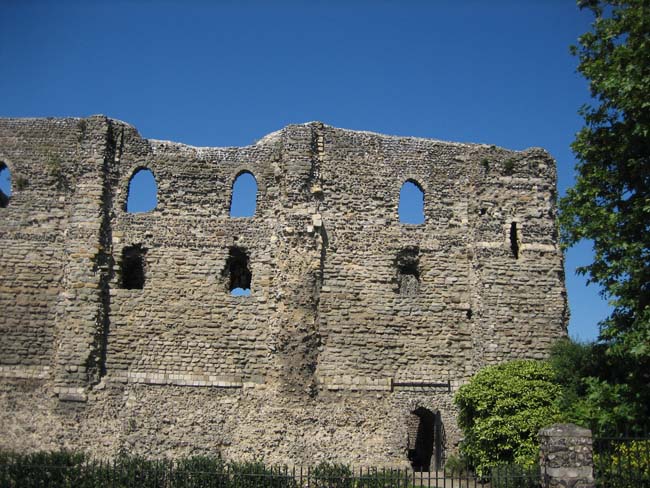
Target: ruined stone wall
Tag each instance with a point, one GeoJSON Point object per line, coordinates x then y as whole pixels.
{"type": "Point", "coordinates": [327, 358]}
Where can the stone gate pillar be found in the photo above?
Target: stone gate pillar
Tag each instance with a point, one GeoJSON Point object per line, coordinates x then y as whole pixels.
{"type": "Point", "coordinates": [566, 457]}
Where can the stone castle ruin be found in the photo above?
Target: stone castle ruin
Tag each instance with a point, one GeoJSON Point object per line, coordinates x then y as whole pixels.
{"type": "Point", "coordinates": [120, 332]}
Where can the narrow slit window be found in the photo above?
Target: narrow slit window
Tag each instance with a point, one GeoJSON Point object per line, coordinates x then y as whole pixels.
{"type": "Point", "coordinates": [411, 203]}
{"type": "Point", "coordinates": [5, 185]}
{"type": "Point", "coordinates": [133, 267]}
{"type": "Point", "coordinates": [408, 273]}
{"type": "Point", "coordinates": [143, 192]}
{"type": "Point", "coordinates": [514, 240]}
{"type": "Point", "coordinates": [243, 201]}
{"type": "Point", "coordinates": [238, 273]}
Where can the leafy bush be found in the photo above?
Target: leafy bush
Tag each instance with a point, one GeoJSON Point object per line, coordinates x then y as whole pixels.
{"type": "Point", "coordinates": [597, 390]}
{"type": "Point", "coordinates": [255, 473]}
{"type": "Point", "coordinates": [199, 471]}
{"type": "Point", "coordinates": [456, 466]}
{"type": "Point", "coordinates": [633, 455]}
{"type": "Point", "coordinates": [515, 476]}
{"type": "Point", "coordinates": [382, 479]}
{"type": "Point", "coordinates": [501, 411]}
{"type": "Point", "coordinates": [625, 465]}
{"type": "Point", "coordinates": [329, 475]}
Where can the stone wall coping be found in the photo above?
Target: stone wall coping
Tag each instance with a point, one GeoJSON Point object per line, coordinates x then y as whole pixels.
{"type": "Point", "coordinates": [565, 430]}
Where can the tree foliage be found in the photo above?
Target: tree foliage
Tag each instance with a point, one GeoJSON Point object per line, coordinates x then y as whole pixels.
{"type": "Point", "coordinates": [501, 411]}
{"type": "Point", "coordinates": [595, 392]}
{"type": "Point", "coordinates": [610, 202]}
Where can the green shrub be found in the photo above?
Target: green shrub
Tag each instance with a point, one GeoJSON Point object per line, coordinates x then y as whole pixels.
{"type": "Point", "coordinates": [57, 469]}
{"type": "Point", "coordinates": [508, 166]}
{"type": "Point", "coordinates": [456, 466]}
{"type": "Point", "coordinates": [253, 474]}
{"type": "Point", "coordinates": [199, 471]}
{"type": "Point", "coordinates": [331, 475]}
{"type": "Point", "coordinates": [382, 479]}
{"type": "Point", "coordinates": [21, 183]}
{"type": "Point", "coordinates": [141, 472]}
{"type": "Point", "coordinates": [627, 465]}
{"type": "Point", "coordinates": [515, 476]}
{"type": "Point", "coordinates": [501, 411]}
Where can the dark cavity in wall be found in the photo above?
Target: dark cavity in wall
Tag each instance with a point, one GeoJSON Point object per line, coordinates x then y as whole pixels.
{"type": "Point", "coordinates": [238, 272]}
{"type": "Point", "coordinates": [514, 240]}
{"type": "Point", "coordinates": [425, 439]}
{"type": "Point", "coordinates": [133, 269]}
{"type": "Point", "coordinates": [408, 273]}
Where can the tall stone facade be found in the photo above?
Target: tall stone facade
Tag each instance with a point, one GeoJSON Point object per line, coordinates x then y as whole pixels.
{"type": "Point", "coordinates": [358, 328]}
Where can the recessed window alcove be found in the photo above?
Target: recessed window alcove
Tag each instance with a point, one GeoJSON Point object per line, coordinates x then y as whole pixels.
{"type": "Point", "coordinates": [133, 267]}
{"type": "Point", "coordinates": [238, 273]}
{"type": "Point", "coordinates": [408, 272]}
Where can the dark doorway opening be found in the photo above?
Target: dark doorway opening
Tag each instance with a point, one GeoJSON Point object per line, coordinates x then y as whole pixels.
{"type": "Point", "coordinates": [425, 440]}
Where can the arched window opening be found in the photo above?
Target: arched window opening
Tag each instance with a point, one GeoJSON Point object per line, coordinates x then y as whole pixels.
{"type": "Point", "coordinates": [514, 240]}
{"type": "Point", "coordinates": [133, 267]}
{"type": "Point", "coordinates": [408, 273]}
{"type": "Point", "coordinates": [5, 185]}
{"type": "Point", "coordinates": [244, 195]}
{"type": "Point", "coordinates": [143, 192]}
{"type": "Point", "coordinates": [424, 439]}
{"type": "Point", "coordinates": [238, 273]}
{"type": "Point", "coordinates": [411, 203]}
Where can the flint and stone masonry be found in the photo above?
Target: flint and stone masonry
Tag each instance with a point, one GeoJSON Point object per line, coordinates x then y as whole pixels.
{"type": "Point", "coordinates": [119, 332]}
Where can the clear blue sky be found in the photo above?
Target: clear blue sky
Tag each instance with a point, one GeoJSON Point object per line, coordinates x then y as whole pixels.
{"type": "Point", "coordinates": [227, 73]}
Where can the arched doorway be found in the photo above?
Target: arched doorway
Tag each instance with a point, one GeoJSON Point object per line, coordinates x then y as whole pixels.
{"type": "Point", "coordinates": [424, 440]}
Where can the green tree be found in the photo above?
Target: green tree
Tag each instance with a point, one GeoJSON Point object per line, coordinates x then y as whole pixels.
{"type": "Point", "coordinates": [610, 202]}
{"type": "Point", "coordinates": [501, 411]}
{"type": "Point", "coordinates": [594, 391]}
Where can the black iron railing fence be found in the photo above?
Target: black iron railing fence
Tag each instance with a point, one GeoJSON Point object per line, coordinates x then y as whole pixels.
{"type": "Point", "coordinates": [76, 471]}
{"type": "Point", "coordinates": [622, 462]}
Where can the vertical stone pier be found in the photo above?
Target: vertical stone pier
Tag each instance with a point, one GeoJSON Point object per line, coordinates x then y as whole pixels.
{"type": "Point", "coordinates": [566, 457]}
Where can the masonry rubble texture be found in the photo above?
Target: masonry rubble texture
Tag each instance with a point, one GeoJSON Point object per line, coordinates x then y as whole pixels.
{"type": "Point", "coordinates": [566, 456]}
{"type": "Point", "coordinates": [338, 343]}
